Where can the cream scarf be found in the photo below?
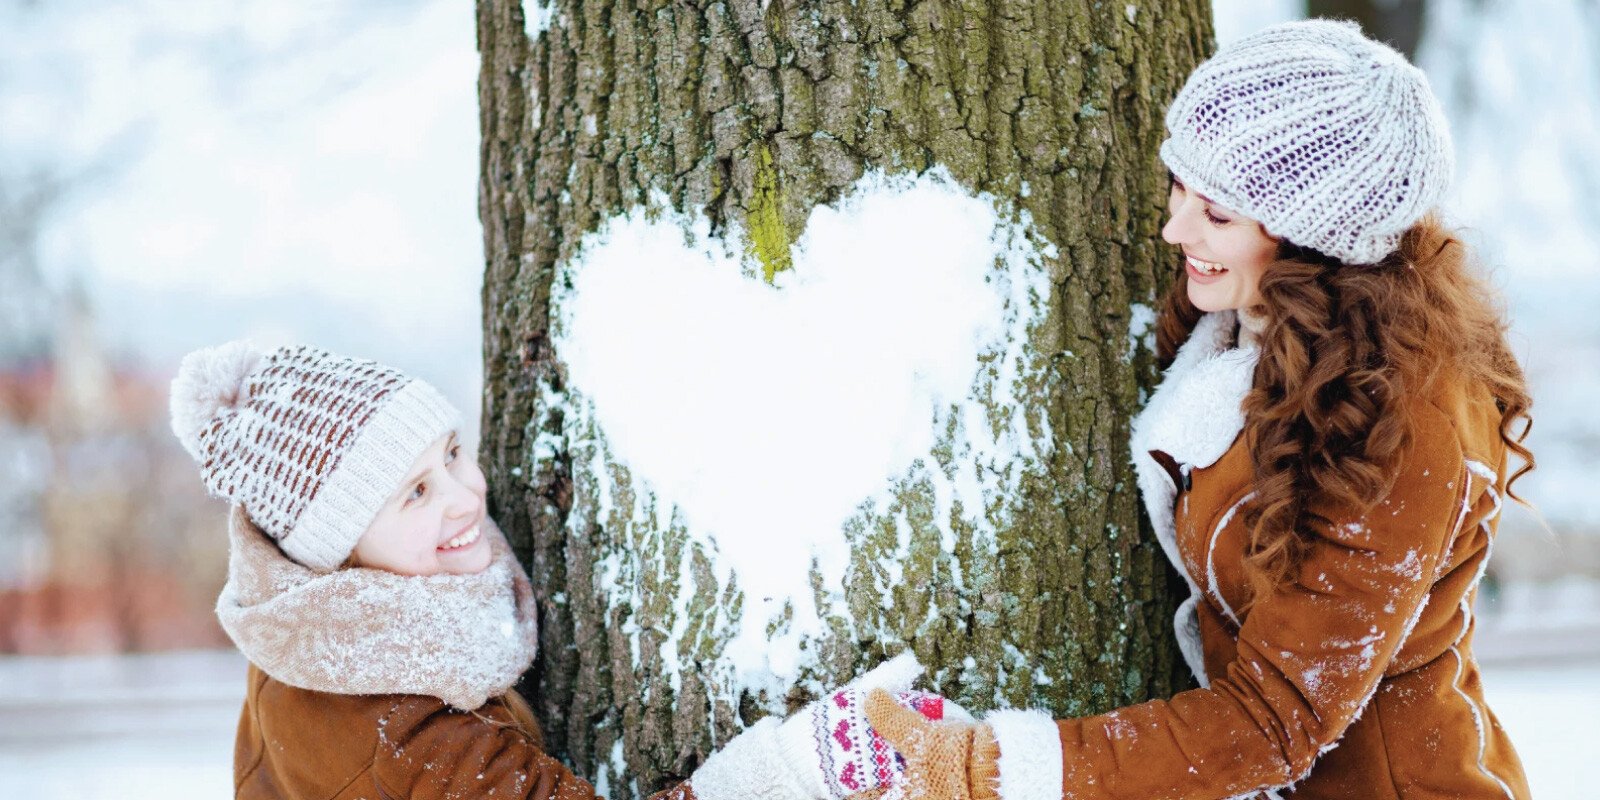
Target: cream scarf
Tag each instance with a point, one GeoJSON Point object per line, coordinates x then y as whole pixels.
{"type": "Point", "coordinates": [460, 638]}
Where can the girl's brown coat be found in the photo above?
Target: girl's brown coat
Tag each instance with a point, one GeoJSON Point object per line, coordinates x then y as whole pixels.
{"type": "Point", "coordinates": [370, 675]}
{"type": "Point", "coordinates": [301, 744]}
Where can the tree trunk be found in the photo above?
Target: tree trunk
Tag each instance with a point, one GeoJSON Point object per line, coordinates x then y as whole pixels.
{"type": "Point", "coordinates": [1397, 22]}
{"type": "Point", "coordinates": [752, 114]}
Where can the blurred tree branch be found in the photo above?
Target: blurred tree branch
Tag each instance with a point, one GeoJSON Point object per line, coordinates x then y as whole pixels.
{"type": "Point", "coordinates": [1398, 22]}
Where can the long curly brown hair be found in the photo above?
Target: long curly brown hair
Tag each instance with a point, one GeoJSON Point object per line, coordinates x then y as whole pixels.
{"type": "Point", "coordinates": [1343, 347]}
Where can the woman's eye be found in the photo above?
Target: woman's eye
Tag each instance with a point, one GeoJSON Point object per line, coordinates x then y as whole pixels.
{"type": "Point", "coordinates": [454, 452]}
{"type": "Point", "coordinates": [417, 492]}
{"type": "Point", "coordinates": [1216, 220]}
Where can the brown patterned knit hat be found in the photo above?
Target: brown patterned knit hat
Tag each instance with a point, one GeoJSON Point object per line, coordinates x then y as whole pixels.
{"type": "Point", "coordinates": [310, 443]}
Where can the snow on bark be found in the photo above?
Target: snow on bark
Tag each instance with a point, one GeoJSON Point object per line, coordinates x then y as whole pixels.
{"type": "Point", "coordinates": [865, 402]}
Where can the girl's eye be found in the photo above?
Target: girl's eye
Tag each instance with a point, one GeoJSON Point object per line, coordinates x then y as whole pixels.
{"type": "Point", "coordinates": [1216, 220]}
{"type": "Point", "coordinates": [454, 452]}
{"type": "Point", "coordinates": [417, 492]}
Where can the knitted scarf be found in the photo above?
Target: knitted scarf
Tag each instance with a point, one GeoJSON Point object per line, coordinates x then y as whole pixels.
{"type": "Point", "coordinates": [460, 638]}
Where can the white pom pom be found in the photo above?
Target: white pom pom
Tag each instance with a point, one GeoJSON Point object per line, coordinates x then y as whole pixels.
{"type": "Point", "coordinates": [209, 380]}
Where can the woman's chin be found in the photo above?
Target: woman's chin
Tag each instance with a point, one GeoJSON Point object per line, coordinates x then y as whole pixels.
{"type": "Point", "coordinates": [1207, 301]}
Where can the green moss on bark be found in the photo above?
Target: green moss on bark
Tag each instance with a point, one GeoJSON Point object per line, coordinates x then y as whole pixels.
{"type": "Point", "coordinates": [769, 239]}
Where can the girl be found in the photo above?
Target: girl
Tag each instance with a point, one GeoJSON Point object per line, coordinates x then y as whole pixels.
{"type": "Point", "coordinates": [1324, 461]}
{"type": "Point", "coordinates": [386, 619]}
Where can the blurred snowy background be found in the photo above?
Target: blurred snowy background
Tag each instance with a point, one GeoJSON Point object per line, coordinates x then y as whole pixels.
{"type": "Point", "coordinates": [175, 174]}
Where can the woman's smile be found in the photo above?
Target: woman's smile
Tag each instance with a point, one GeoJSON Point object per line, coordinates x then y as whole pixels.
{"type": "Point", "coordinates": [1204, 271]}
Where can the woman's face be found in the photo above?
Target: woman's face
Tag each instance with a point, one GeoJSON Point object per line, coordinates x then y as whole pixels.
{"type": "Point", "coordinates": [1224, 253]}
{"type": "Point", "coordinates": [431, 524]}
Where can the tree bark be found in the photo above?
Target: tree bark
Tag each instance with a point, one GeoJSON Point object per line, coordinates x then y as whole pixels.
{"type": "Point", "coordinates": [753, 113]}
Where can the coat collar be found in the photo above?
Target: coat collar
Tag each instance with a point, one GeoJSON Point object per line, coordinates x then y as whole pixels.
{"type": "Point", "coordinates": [1194, 416]}
{"type": "Point", "coordinates": [460, 638]}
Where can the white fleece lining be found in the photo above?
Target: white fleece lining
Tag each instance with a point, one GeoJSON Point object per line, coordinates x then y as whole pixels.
{"type": "Point", "coordinates": [1211, 558]}
{"type": "Point", "coordinates": [750, 766]}
{"type": "Point", "coordinates": [1455, 530]}
{"type": "Point", "coordinates": [1030, 754]}
{"type": "Point", "coordinates": [1186, 625]}
{"type": "Point", "coordinates": [1491, 479]}
{"type": "Point", "coordinates": [1477, 722]}
{"type": "Point", "coordinates": [1193, 416]}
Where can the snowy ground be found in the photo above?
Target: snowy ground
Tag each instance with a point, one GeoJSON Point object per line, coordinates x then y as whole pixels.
{"type": "Point", "coordinates": [162, 726]}
{"type": "Point", "coordinates": [158, 726]}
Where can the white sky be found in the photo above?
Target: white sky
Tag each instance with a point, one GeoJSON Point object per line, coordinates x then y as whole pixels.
{"type": "Point", "coordinates": [301, 171]}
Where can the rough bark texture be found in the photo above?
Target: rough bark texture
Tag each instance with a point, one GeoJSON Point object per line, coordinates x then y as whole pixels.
{"type": "Point", "coordinates": [1398, 22]}
{"type": "Point", "coordinates": [756, 112]}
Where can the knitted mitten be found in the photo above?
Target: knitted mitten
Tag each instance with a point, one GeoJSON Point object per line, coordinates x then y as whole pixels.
{"type": "Point", "coordinates": [848, 756]}
{"type": "Point", "coordinates": [951, 760]}
{"type": "Point", "coordinates": [823, 752]}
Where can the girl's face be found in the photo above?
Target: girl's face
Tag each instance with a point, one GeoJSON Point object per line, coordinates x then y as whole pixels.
{"type": "Point", "coordinates": [1224, 253]}
{"type": "Point", "coordinates": [431, 524]}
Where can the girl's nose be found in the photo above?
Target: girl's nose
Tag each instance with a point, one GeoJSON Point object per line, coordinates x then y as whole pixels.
{"type": "Point", "coordinates": [463, 501]}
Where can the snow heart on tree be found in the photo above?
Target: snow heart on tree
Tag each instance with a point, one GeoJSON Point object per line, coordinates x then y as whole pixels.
{"type": "Point", "coordinates": [761, 440]}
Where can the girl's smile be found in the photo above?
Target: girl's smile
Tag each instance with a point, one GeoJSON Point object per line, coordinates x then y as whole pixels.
{"type": "Point", "coordinates": [462, 541]}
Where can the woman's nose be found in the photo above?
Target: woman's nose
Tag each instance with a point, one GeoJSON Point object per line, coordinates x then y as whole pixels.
{"type": "Point", "coordinates": [1180, 227]}
{"type": "Point", "coordinates": [1183, 226]}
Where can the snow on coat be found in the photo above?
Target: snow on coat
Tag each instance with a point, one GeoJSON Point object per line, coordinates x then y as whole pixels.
{"type": "Point", "coordinates": [299, 743]}
{"type": "Point", "coordinates": [1354, 680]}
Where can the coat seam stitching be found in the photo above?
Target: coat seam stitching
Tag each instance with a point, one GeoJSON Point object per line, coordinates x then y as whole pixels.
{"type": "Point", "coordinates": [261, 751]}
{"type": "Point", "coordinates": [1383, 743]}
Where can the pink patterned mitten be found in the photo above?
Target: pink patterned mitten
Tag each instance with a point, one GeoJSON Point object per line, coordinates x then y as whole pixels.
{"type": "Point", "coordinates": [825, 751]}
{"type": "Point", "coordinates": [854, 757]}
{"type": "Point", "coordinates": [851, 756]}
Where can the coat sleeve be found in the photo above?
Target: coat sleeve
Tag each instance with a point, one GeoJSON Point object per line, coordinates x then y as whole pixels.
{"type": "Point", "coordinates": [429, 751]}
{"type": "Point", "coordinates": [1310, 656]}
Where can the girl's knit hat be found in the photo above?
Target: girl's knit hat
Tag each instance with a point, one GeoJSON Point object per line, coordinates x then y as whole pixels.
{"type": "Point", "coordinates": [310, 443]}
{"type": "Point", "coordinates": [1329, 139]}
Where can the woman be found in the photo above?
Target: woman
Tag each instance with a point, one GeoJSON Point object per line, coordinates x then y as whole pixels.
{"type": "Point", "coordinates": [1325, 461]}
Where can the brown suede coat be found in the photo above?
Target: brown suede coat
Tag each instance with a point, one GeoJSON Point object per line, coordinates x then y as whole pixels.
{"type": "Point", "coordinates": [1357, 680]}
{"type": "Point", "coordinates": [298, 744]}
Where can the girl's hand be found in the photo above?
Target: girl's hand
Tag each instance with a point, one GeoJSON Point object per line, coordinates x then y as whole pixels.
{"type": "Point", "coordinates": [826, 751]}
{"type": "Point", "coordinates": [847, 757]}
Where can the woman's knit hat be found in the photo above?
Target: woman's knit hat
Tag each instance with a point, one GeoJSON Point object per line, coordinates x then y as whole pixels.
{"type": "Point", "coordinates": [1327, 138]}
{"type": "Point", "coordinates": [310, 443]}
